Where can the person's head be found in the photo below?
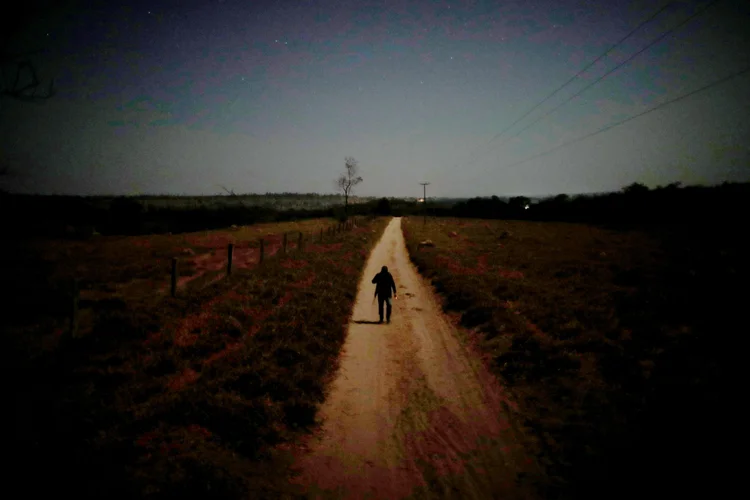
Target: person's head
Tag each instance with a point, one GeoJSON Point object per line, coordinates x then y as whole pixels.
{"type": "Point", "coordinates": [384, 269]}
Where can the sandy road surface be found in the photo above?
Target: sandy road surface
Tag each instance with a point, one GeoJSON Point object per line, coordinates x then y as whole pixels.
{"type": "Point", "coordinates": [410, 413]}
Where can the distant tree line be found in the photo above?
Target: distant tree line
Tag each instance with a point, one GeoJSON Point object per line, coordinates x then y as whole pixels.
{"type": "Point", "coordinates": [634, 204]}
{"type": "Point", "coordinates": [81, 217]}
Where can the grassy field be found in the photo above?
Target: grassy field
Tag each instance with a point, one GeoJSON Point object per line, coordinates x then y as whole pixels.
{"type": "Point", "coordinates": [165, 397]}
{"type": "Point", "coordinates": [614, 344]}
{"type": "Point", "coordinates": [115, 268]}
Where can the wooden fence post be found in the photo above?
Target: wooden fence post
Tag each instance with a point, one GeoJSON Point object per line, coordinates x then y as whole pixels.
{"type": "Point", "coordinates": [229, 258]}
{"type": "Point", "coordinates": [262, 248]}
{"type": "Point", "coordinates": [174, 276]}
{"type": "Point", "coordinates": [284, 247]}
{"type": "Point", "coordinates": [74, 310]}
{"type": "Point", "coordinates": [299, 242]}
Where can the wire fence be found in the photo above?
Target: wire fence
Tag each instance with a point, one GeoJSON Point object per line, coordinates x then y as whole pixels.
{"type": "Point", "coordinates": [328, 234]}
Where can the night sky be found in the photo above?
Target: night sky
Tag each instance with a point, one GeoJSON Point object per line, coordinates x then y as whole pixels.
{"type": "Point", "coordinates": [180, 97]}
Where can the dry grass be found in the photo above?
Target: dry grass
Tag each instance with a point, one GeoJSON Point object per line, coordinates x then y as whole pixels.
{"type": "Point", "coordinates": [164, 397]}
{"type": "Point", "coordinates": [611, 342]}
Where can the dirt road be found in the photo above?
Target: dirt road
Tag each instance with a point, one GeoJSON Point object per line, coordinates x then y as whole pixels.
{"type": "Point", "coordinates": [411, 413]}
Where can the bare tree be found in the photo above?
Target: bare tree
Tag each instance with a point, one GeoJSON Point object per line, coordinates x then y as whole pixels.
{"type": "Point", "coordinates": [20, 79]}
{"type": "Point", "coordinates": [348, 180]}
{"type": "Point", "coordinates": [24, 85]}
{"type": "Point", "coordinates": [230, 192]}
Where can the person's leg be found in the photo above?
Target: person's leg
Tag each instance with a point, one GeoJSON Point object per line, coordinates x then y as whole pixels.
{"type": "Point", "coordinates": [388, 310]}
{"type": "Point", "coordinates": [380, 308]}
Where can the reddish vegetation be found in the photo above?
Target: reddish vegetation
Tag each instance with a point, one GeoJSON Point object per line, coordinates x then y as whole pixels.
{"type": "Point", "coordinates": [229, 349]}
{"type": "Point", "coordinates": [304, 283]}
{"type": "Point", "coordinates": [482, 263]}
{"type": "Point", "coordinates": [349, 270]}
{"type": "Point", "coordinates": [200, 431]}
{"type": "Point", "coordinates": [142, 243]}
{"type": "Point", "coordinates": [153, 338]}
{"type": "Point", "coordinates": [481, 268]}
{"type": "Point", "coordinates": [293, 263]}
{"type": "Point", "coordinates": [188, 376]}
{"type": "Point", "coordinates": [215, 240]}
{"type": "Point", "coordinates": [534, 329]}
{"type": "Point", "coordinates": [215, 260]}
{"type": "Point", "coordinates": [283, 300]}
{"type": "Point", "coordinates": [145, 439]}
{"type": "Point", "coordinates": [322, 247]}
{"type": "Point", "coordinates": [166, 448]}
{"type": "Point", "coordinates": [150, 357]}
{"type": "Point", "coordinates": [605, 340]}
{"type": "Point", "coordinates": [187, 331]}
{"type": "Point", "coordinates": [506, 273]}
{"type": "Point", "coordinates": [258, 314]}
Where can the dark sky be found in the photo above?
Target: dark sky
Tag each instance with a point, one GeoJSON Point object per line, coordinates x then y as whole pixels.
{"type": "Point", "coordinates": [183, 96]}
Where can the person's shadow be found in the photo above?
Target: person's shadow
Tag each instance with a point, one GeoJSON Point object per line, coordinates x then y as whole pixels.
{"type": "Point", "coordinates": [366, 322]}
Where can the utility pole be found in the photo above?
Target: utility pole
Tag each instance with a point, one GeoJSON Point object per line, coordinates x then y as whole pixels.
{"type": "Point", "coordinates": [424, 201]}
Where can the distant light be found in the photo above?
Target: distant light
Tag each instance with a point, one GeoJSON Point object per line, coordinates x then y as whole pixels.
{"type": "Point", "coordinates": [526, 207]}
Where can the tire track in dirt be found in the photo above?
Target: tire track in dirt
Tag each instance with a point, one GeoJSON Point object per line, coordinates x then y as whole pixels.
{"type": "Point", "coordinates": [411, 412]}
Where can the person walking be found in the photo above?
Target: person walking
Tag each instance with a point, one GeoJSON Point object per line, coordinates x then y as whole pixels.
{"type": "Point", "coordinates": [383, 285]}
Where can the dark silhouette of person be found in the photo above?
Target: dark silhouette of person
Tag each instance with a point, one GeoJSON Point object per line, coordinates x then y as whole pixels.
{"type": "Point", "coordinates": [383, 285]}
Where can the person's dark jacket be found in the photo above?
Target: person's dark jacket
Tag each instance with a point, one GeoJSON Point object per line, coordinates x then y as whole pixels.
{"type": "Point", "coordinates": [384, 284]}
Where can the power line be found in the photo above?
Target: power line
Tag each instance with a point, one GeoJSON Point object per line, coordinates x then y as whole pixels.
{"type": "Point", "coordinates": [584, 89]}
{"type": "Point", "coordinates": [617, 124]}
{"type": "Point", "coordinates": [558, 89]}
